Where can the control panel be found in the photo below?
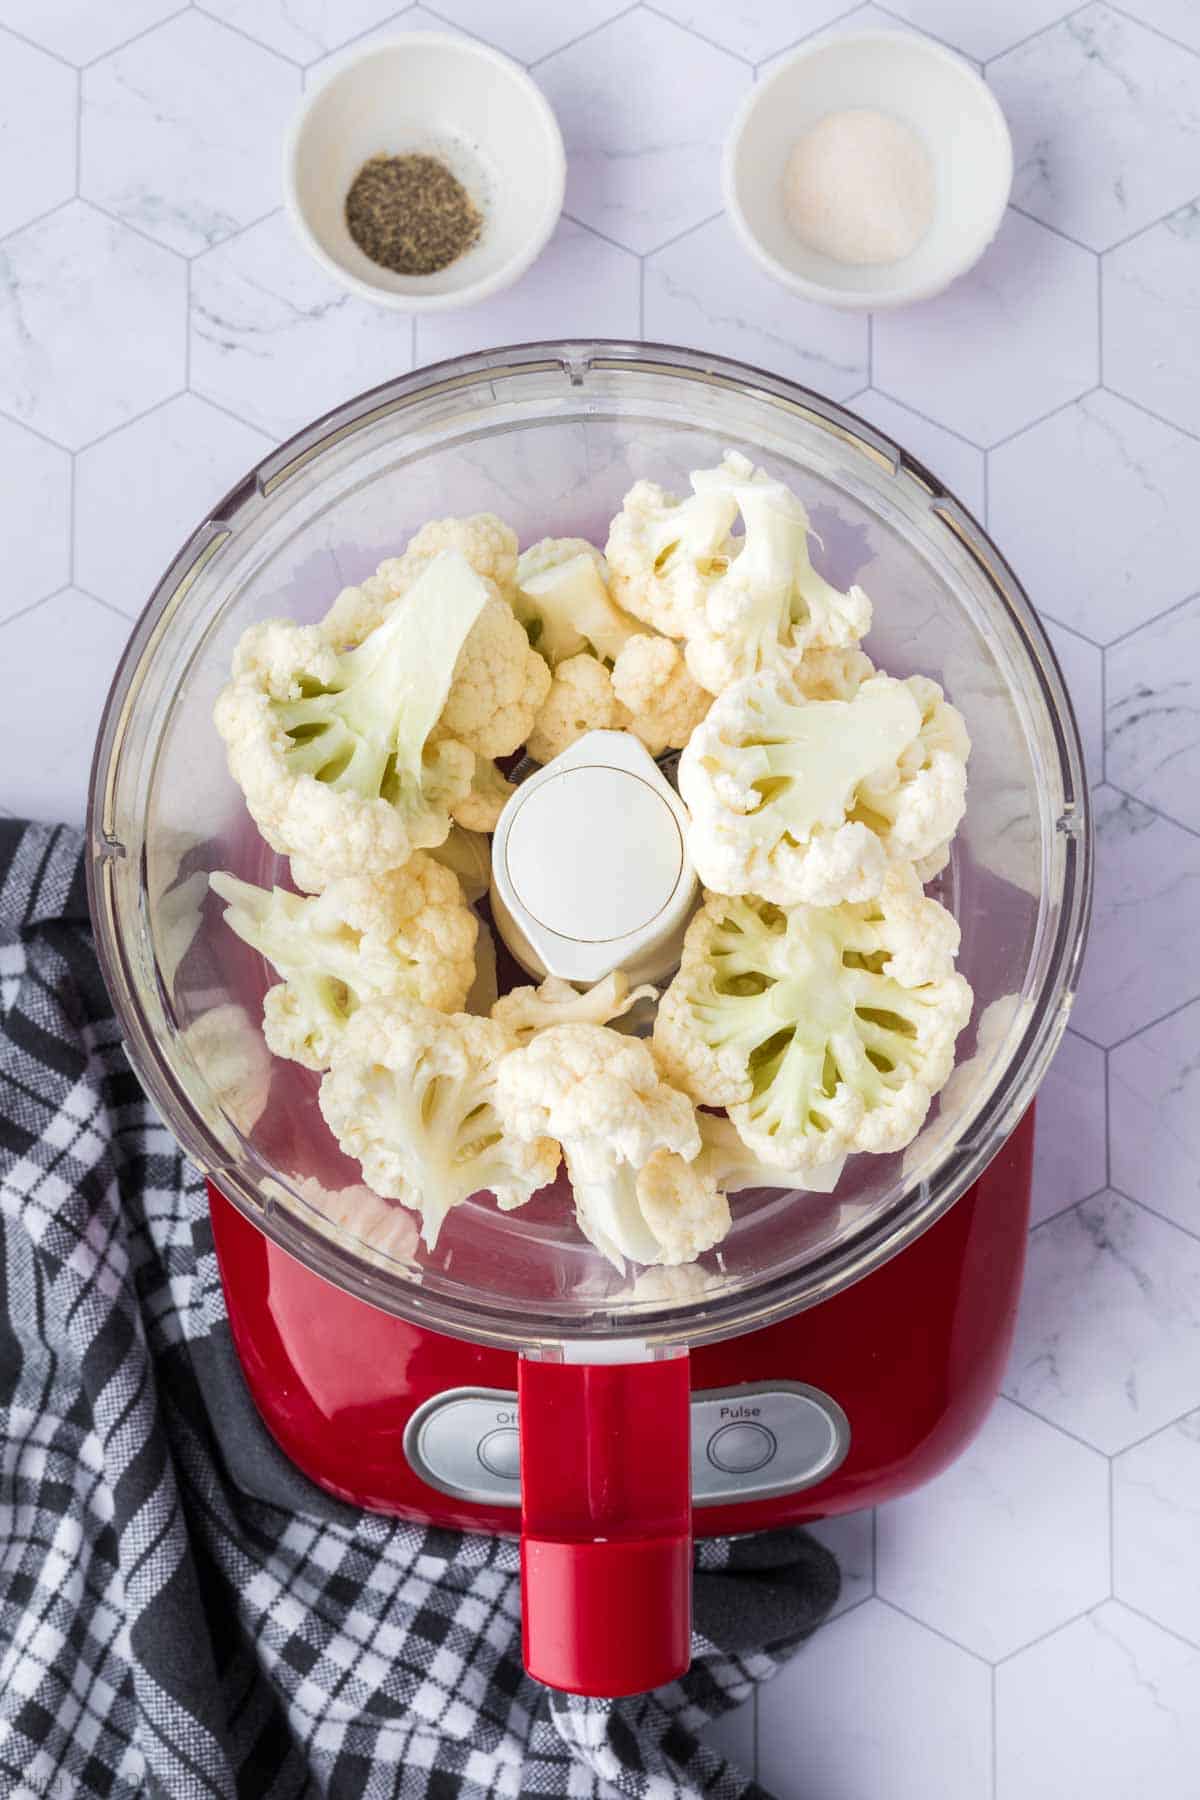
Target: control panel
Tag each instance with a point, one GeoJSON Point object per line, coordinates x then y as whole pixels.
{"type": "Point", "coordinates": [748, 1442]}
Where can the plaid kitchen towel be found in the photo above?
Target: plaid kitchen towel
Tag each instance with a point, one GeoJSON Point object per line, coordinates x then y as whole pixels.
{"type": "Point", "coordinates": [181, 1612]}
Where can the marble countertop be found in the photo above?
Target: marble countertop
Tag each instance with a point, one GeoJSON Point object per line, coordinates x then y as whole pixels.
{"type": "Point", "coordinates": [1029, 1625]}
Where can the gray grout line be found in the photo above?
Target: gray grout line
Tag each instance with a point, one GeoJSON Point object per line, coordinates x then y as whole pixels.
{"type": "Point", "coordinates": [1100, 319]}
{"type": "Point", "coordinates": [690, 31]}
{"type": "Point", "coordinates": [1167, 819]}
{"type": "Point", "coordinates": [139, 231]}
{"type": "Point", "coordinates": [72, 521]}
{"type": "Point", "coordinates": [1167, 1424]}
{"type": "Point", "coordinates": [1040, 32]}
{"type": "Point", "coordinates": [115, 49]}
{"type": "Point", "coordinates": [574, 219]}
{"type": "Point", "coordinates": [1154, 30]}
{"type": "Point", "coordinates": [64, 62]}
{"type": "Point", "coordinates": [995, 1753]}
{"type": "Point", "coordinates": [1056, 230]}
{"type": "Point", "coordinates": [1163, 1219]}
{"type": "Point", "coordinates": [1103, 716]}
{"type": "Point", "coordinates": [1053, 1424]}
{"type": "Point", "coordinates": [875, 1552]}
{"type": "Point", "coordinates": [1043, 418]}
{"type": "Point", "coordinates": [130, 618]}
{"type": "Point", "coordinates": [79, 134]}
{"type": "Point", "coordinates": [23, 612]}
{"type": "Point", "coordinates": [1142, 230]}
{"type": "Point", "coordinates": [1171, 424]}
{"type": "Point", "coordinates": [1069, 1206]}
{"type": "Point", "coordinates": [1107, 1123]}
{"type": "Point", "coordinates": [39, 219]}
{"type": "Point", "coordinates": [817, 30]}
{"type": "Point", "coordinates": [928, 417]}
{"type": "Point", "coordinates": [275, 438]}
{"type": "Point", "coordinates": [1044, 1636]}
{"type": "Point", "coordinates": [263, 49]}
{"type": "Point", "coordinates": [1154, 619]}
{"type": "Point", "coordinates": [667, 243]}
{"type": "Point", "coordinates": [538, 61]}
{"type": "Point", "coordinates": [937, 1631]}
{"type": "Point", "coordinates": [309, 68]}
{"type": "Point", "coordinates": [36, 431]}
{"type": "Point", "coordinates": [1049, 618]}
{"type": "Point", "coordinates": [1149, 1618]}
{"type": "Point", "coordinates": [102, 437]}
{"type": "Point", "coordinates": [1112, 1534]}
{"type": "Point", "coordinates": [987, 488]}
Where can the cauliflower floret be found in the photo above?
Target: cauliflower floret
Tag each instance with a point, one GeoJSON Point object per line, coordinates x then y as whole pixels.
{"type": "Point", "coordinates": [469, 855]}
{"type": "Point", "coordinates": [664, 554]}
{"type": "Point", "coordinates": [770, 607]}
{"type": "Point", "coordinates": [525, 1010]}
{"type": "Point", "coordinates": [811, 800]}
{"type": "Point", "coordinates": [830, 674]}
{"type": "Point", "coordinates": [365, 937]}
{"type": "Point", "coordinates": [916, 807]}
{"type": "Point", "coordinates": [562, 600]}
{"type": "Point", "coordinates": [581, 699]}
{"type": "Point", "coordinates": [499, 685]}
{"type": "Point", "coordinates": [727, 1162]}
{"type": "Point", "coordinates": [601, 1096]}
{"type": "Point", "coordinates": [479, 809]}
{"type": "Point", "coordinates": [486, 543]}
{"type": "Point", "coordinates": [332, 748]}
{"type": "Point", "coordinates": [683, 1207]}
{"type": "Point", "coordinates": [651, 681]}
{"type": "Point", "coordinates": [823, 1030]}
{"type": "Point", "coordinates": [411, 1096]}
{"type": "Point", "coordinates": [229, 1052]}
{"type": "Point", "coordinates": [743, 603]}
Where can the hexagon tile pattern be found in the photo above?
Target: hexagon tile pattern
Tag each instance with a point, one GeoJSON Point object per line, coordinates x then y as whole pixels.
{"type": "Point", "coordinates": [160, 328]}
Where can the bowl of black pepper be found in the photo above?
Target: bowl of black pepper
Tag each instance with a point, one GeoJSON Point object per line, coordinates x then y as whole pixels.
{"type": "Point", "coordinates": [426, 172]}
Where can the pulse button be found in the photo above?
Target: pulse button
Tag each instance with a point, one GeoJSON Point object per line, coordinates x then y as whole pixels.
{"type": "Point", "coordinates": [500, 1452]}
{"type": "Point", "coordinates": [742, 1448]}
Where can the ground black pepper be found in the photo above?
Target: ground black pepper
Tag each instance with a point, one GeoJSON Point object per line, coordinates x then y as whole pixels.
{"type": "Point", "coordinates": [410, 214]}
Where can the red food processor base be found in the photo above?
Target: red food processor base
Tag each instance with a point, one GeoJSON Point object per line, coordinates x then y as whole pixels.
{"type": "Point", "coordinates": [851, 1402]}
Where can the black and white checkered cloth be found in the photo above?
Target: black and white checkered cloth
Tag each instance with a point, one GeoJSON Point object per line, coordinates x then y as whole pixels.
{"type": "Point", "coordinates": [181, 1612]}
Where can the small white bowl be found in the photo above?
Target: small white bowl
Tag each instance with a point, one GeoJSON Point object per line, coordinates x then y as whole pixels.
{"type": "Point", "coordinates": [928, 88]}
{"type": "Point", "coordinates": [450, 98]}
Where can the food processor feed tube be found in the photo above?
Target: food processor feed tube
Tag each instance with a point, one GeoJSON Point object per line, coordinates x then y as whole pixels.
{"type": "Point", "coordinates": [606, 1518]}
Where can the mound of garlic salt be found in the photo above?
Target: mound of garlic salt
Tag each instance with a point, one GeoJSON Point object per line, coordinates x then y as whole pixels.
{"type": "Point", "coordinates": [859, 187]}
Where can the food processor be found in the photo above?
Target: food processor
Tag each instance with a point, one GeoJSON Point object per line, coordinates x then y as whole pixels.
{"type": "Point", "coordinates": [836, 1349]}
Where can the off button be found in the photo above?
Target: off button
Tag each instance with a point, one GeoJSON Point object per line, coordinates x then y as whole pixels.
{"type": "Point", "coordinates": [500, 1452]}
{"type": "Point", "coordinates": [741, 1448]}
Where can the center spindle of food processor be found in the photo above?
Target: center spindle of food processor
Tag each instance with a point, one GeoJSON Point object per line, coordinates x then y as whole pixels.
{"type": "Point", "coordinates": [590, 871]}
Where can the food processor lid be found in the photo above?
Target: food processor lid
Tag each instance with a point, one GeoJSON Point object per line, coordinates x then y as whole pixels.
{"type": "Point", "coordinates": [614, 410]}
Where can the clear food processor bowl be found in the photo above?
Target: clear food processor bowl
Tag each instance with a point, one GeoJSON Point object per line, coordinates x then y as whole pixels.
{"type": "Point", "coordinates": [550, 436]}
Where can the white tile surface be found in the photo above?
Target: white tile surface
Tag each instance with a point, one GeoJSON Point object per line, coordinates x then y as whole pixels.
{"type": "Point", "coordinates": [1153, 715]}
{"type": "Point", "coordinates": [579, 276]}
{"type": "Point", "coordinates": [1024, 327]}
{"type": "Point", "coordinates": [1151, 294]}
{"type": "Point", "coordinates": [1154, 1102]}
{"type": "Point", "coordinates": [1156, 1527]}
{"type": "Point", "coordinates": [643, 144]}
{"type": "Point", "coordinates": [55, 718]}
{"type": "Point", "coordinates": [1147, 887]}
{"type": "Point", "coordinates": [1105, 1708]}
{"type": "Point", "coordinates": [1097, 509]}
{"type": "Point", "coordinates": [1105, 118]}
{"type": "Point", "coordinates": [79, 30]}
{"type": "Point", "coordinates": [1069, 1157]}
{"type": "Point", "coordinates": [951, 458]}
{"type": "Point", "coordinates": [301, 29]}
{"type": "Point", "coordinates": [528, 29]}
{"type": "Point", "coordinates": [177, 461]}
{"type": "Point", "coordinates": [875, 1705]}
{"type": "Point", "coordinates": [1121, 540]}
{"type": "Point", "coordinates": [35, 478]}
{"type": "Point", "coordinates": [276, 341]}
{"type": "Point", "coordinates": [755, 29]}
{"type": "Point", "coordinates": [148, 150]}
{"type": "Point", "coordinates": [1108, 1336]}
{"type": "Point", "coordinates": [92, 324]}
{"type": "Point", "coordinates": [37, 133]}
{"type": "Point", "coordinates": [701, 292]}
{"type": "Point", "coordinates": [1010, 1542]}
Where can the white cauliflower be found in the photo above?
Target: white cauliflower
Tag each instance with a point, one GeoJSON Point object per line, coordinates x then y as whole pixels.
{"type": "Point", "coordinates": [812, 800]}
{"type": "Point", "coordinates": [483, 991]}
{"type": "Point", "coordinates": [823, 1030]}
{"type": "Point", "coordinates": [650, 680]}
{"type": "Point", "coordinates": [485, 542]}
{"type": "Point", "coordinates": [830, 674]}
{"type": "Point", "coordinates": [228, 1049]}
{"type": "Point", "coordinates": [730, 1166]}
{"type": "Point", "coordinates": [332, 748]}
{"type": "Point", "coordinates": [411, 1096]}
{"type": "Point", "coordinates": [382, 1231]}
{"type": "Point", "coordinates": [525, 1010]}
{"type": "Point", "coordinates": [743, 603]}
{"type": "Point", "coordinates": [407, 932]}
{"type": "Point", "coordinates": [479, 809]}
{"type": "Point", "coordinates": [562, 600]}
{"type": "Point", "coordinates": [665, 554]}
{"type": "Point", "coordinates": [580, 700]}
{"type": "Point", "coordinates": [683, 1207]}
{"type": "Point", "coordinates": [601, 1096]}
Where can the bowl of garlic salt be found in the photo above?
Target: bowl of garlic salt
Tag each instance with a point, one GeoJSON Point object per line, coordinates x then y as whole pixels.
{"type": "Point", "coordinates": [868, 170]}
